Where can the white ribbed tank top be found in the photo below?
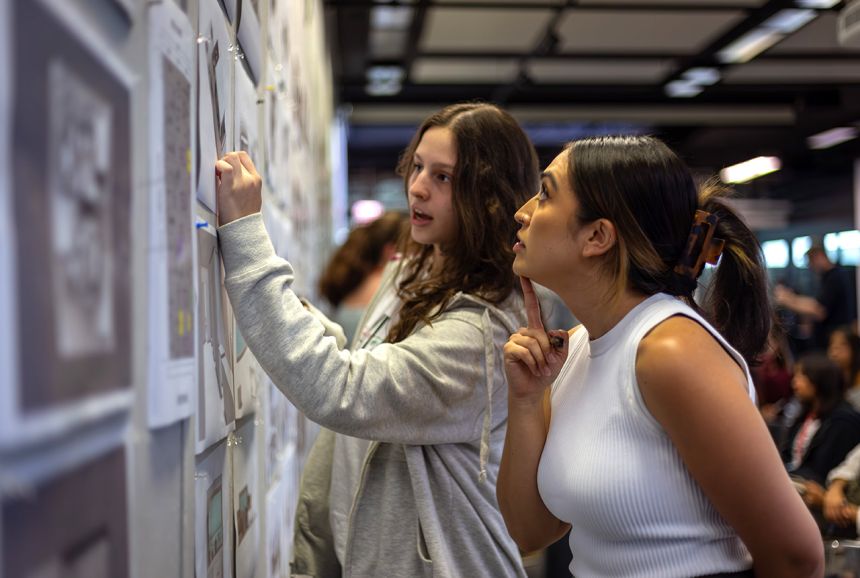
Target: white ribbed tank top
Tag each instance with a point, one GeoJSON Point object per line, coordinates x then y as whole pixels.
{"type": "Point", "coordinates": [610, 470]}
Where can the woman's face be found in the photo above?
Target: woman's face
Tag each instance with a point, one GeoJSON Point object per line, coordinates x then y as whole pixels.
{"type": "Point", "coordinates": [546, 242]}
{"type": "Point", "coordinates": [839, 350]}
{"type": "Point", "coordinates": [803, 388]}
{"type": "Point", "coordinates": [431, 207]}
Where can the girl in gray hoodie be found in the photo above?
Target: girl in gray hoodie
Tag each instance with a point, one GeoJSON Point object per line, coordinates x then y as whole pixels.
{"type": "Point", "coordinates": [402, 481]}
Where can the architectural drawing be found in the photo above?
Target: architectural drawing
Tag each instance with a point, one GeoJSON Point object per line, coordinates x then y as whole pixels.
{"type": "Point", "coordinates": [171, 251]}
{"type": "Point", "coordinates": [215, 401]}
{"type": "Point", "coordinates": [69, 193]}
{"type": "Point", "coordinates": [213, 526]}
{"type": "Point", "coordinates": [87, 510]}
{"type": "Point", "coordinates": [214, 107]}
{"type": "Point", "coordinates": [246, 501]}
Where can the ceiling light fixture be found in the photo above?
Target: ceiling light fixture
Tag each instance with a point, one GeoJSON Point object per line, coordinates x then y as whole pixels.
{"type": "Point", "coordinates": [771, 31]}
{"type": "Point", "coordinates": [817, 4]}
{"type": "Point", "coordinates": [704, 75]}
{"type": "Point", "coordinates": [832, 137]}
{"type": "Point", "coordinates": [790, 20]}
{"type": "Point", "coordinates": [384, 80]}
{"type": "Point", "coordinates": [751, 169]}
{"type": "Point", "coordinates": [682, 88]}
{"type": "Point", "coordinates": [749, 46]}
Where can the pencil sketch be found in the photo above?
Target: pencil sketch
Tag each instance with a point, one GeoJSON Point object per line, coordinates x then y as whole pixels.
{"type": "Point", "coordinates": [177, 136]}
{"type": "Point", "coordinates": [213, 526]}
{"type": "Point", "coordinates": [215, 402]}
{"type": "Point", "coordinates": [93, 541]}
{"type": "Point", "coordinates": [246, 501]}
{"type": "Point", "coordinates": [80, 181]}
{"type": "Point", "coordinates": [70, 182]}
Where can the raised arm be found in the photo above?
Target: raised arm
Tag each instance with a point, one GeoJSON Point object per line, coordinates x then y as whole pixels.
{"type": "Point", "coordinates": [429, 388]}
{"type": "Point", "coordinates": [531, 365]}
{"type": "Point", "coordinates": [432, 387]}
{"type": "Point", "coordinates": [698, 394]}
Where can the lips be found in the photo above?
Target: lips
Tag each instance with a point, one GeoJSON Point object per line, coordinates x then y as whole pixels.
{"type": "Point", "coordinates": [420, 216]}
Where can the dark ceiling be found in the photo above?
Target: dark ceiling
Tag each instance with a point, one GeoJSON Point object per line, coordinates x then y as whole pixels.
{"type": "Point", "coordinates": [567, 69]}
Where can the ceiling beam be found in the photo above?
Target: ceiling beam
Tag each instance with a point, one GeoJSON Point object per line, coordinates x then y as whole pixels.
{"type": "Point", "coordinates": [466, 4]}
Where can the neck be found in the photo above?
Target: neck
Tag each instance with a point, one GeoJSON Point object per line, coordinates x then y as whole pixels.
{"type": "Point", "coordinates": [596, 310]}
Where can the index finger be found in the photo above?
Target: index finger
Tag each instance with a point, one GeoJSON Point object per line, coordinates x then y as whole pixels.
{"type": "Point", "coordinates": [532, 304]}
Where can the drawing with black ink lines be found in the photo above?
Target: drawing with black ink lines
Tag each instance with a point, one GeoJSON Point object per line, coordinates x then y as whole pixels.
{"type": "Point", "coordinates": [80, 211]}
{"type": "Point", "coordinates": [246, 502]}
{"type": "Point", "coordinates": [213, 515]}
{"type": "Point", "coordinates": [215, 402]}
{"type": "Point", "coordinates": [87, 508]}
{"type": "Point", "coordinates": [214, 70]}
{"type": "Point", "coordinates": [214, 530]}
{"type": "Point", "coordinates": [71, 196]}
{"type": "Point", "coordinates": [171, 253]}
{"type": "Point", "coordinates": [177, 165]}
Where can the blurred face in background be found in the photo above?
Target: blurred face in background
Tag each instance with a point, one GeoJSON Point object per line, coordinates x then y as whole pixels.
{"type": "Point", "coordinates": [803, 388]}
{"type": "Point", "coordinates": [839, 351]}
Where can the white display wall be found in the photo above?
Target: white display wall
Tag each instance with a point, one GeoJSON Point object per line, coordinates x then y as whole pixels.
{"type": "Point", "coordinates": [138, 435]}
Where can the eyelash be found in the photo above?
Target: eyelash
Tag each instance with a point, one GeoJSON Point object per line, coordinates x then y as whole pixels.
{"type": "Point", "coordinates": [542, 193]}
{"type": "Point", "coordinates": [445, 178]}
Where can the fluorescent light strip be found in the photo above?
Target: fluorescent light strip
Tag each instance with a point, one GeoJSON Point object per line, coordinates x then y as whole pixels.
{"type": "Point", "coordinates": [832, 137]}
{"type": "Point", "coordinates": [790, 20]}
{"type": "Point", "coordinates": [751, 169]}
{"type": "Point", "coordinates": [682, 88]}
{"type": "Point", "coordinates": [818, 4]}
{"type": "Point", "coordinates": [749, 46]}
{"type": "Point", "coordinates": [706, 76]}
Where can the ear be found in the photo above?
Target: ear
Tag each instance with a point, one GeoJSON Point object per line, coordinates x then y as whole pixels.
{"type": "Point", "coordinates": [601, 238]}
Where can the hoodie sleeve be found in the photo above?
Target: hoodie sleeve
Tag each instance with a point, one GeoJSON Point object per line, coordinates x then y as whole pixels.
{"type": "Point", "coordinates": [430, 388]}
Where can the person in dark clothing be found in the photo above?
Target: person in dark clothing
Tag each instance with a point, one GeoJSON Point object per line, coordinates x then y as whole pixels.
{"type": "Point", "coordinates": [827, 428]}
{"type": "Point", "coordinates": [832, 307]}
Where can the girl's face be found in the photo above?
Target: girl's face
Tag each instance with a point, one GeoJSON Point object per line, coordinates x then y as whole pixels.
{"type": "Point", "coordinates": [546, 242]}
{"type": "Point", "coordinates": [839, 350]}
{"type": "Point", "coordinates": [430, 189]}
{"type": "Point", "coordinates": [803, 388]}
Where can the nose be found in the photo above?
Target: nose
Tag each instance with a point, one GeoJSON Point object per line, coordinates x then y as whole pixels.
{"type": "Point", "coordinates": [524, 215]}
{"type": "Point", "coordinates": [417, 186]}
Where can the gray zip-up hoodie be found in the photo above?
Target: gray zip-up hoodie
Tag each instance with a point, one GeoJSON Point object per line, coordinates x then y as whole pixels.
{"type": "Point", "coordinates": [433, 405]}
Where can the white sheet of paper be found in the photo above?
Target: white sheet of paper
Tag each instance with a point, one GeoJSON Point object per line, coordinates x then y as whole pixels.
{"type": "Point", "coordinates": [215, 406]}
{"type": "Point", "coordinates": [172, 250]}
{"type": "Point", "coordinates": [245, 369]}
{"type": "Point", "coordinates": [213, 515]}
{"type": "Point", "coordinates": [214, 107]}
{"type": "Point", "coordinates": [276, 555]}
{"type": "Point", "coordinates": [249, 37]}
{"type": "Point", "coordinates": [247, 501]}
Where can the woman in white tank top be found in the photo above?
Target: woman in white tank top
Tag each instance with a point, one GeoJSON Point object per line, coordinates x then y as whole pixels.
{"type": "Point", "coordinates": [637, 431]}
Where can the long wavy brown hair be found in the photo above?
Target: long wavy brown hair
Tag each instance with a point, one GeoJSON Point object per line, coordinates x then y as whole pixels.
{"type": "Point", "coordinates": [496, 171]}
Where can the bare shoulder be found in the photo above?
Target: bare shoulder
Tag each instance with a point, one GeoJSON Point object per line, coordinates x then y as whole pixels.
{"type": "Point", "coordinates": [680, 353]}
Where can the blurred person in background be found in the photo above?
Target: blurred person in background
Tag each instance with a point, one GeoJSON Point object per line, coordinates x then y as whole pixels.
{"type": "Point", "coordinates": [832, 307]}
{"type": "Point", "coordinates": [354, 272]}
{"type": "Point", "coordinates": [844, 350]}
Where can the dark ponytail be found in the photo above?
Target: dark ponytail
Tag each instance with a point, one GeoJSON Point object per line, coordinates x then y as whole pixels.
{"type": "Point", "coordinates": [736, 301]}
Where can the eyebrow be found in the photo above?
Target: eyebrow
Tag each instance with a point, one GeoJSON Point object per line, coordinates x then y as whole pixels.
{"type": "Point", "coordinates": [443, 166]}
{"type": "Point", "coordinates": [551, 178]}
